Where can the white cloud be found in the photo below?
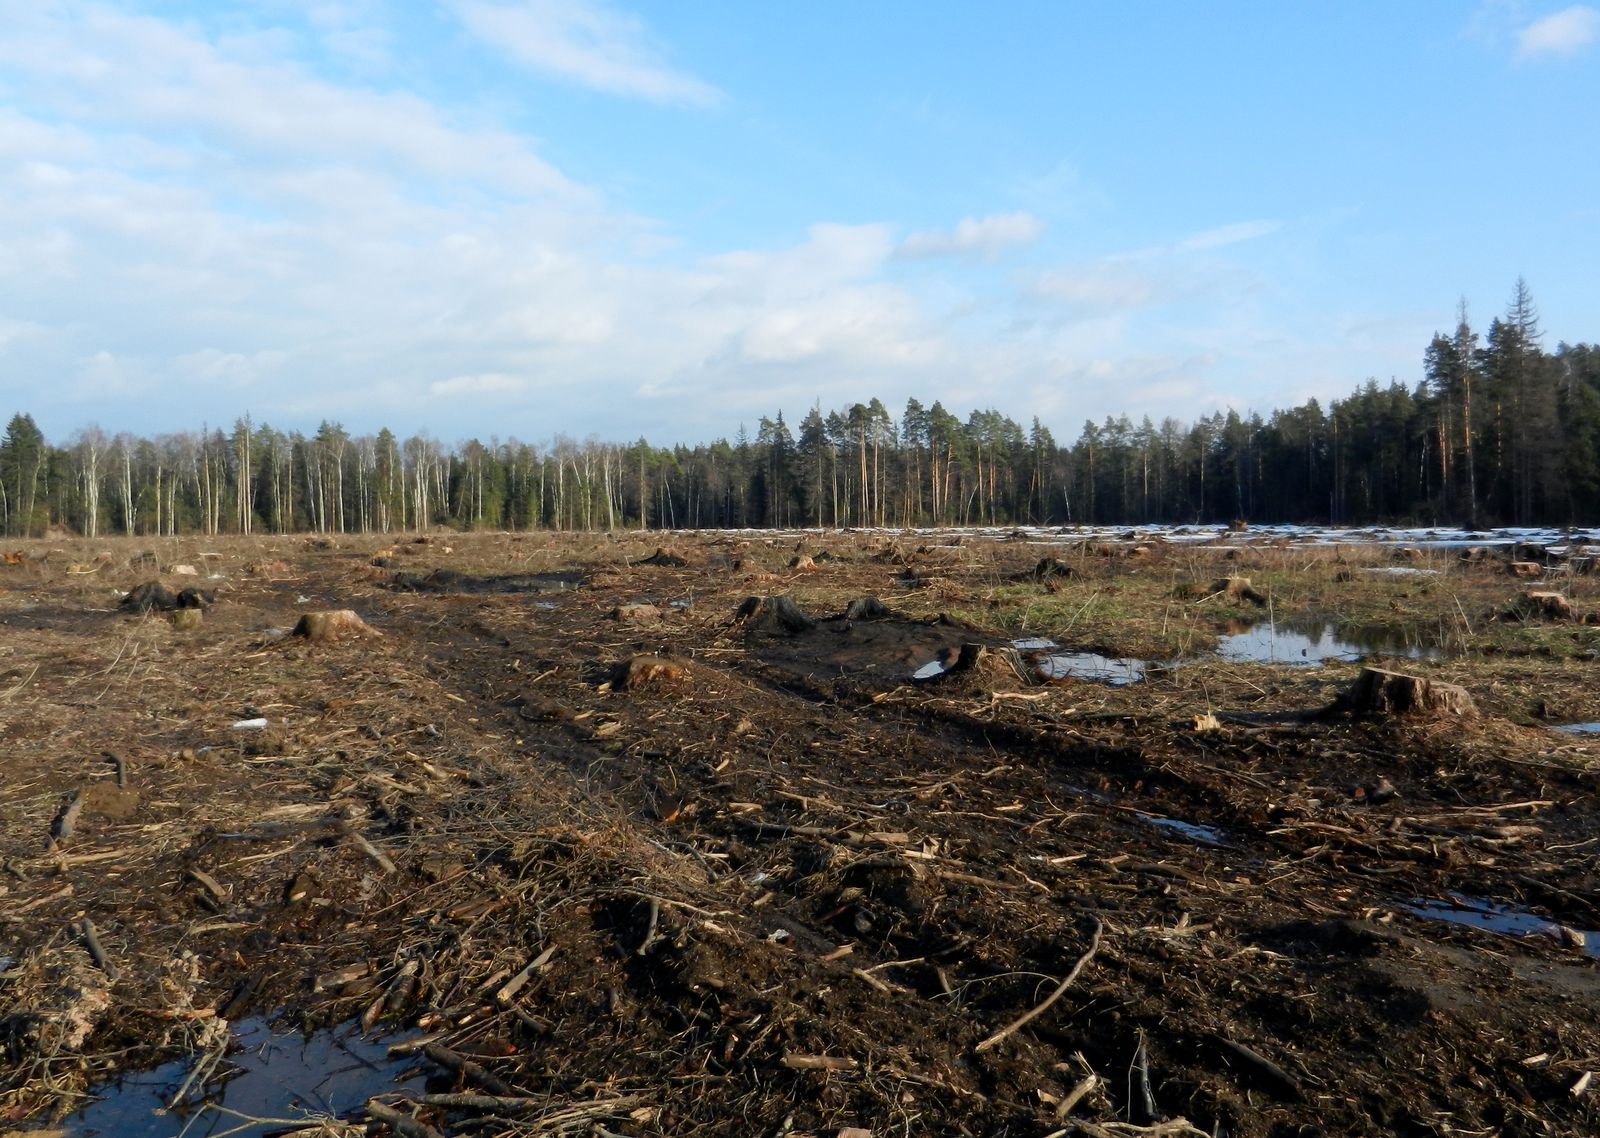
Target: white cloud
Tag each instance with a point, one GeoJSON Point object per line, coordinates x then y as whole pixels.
{"type": "Point", "coordinates": [981, 237]}
{"type": "Point", "coordinates": [1225, 235]}
{"type": "Point", "coordinates": [492, 383]}
{"type": "Point", "coordinates": [1111, 283]}
{"type": "Point", "coordinates": [587, 43]}
{"type": "Point", "coordinates": [109, 70]}
{"type": "Point", "coordinates": [1562, 33]}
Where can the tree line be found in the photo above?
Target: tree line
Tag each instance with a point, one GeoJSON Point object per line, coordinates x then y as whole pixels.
{"type": "Point", "coordinates": [1497, 431]}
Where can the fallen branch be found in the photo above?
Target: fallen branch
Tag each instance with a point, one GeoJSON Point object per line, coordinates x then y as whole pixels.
{"type": "Point", "coordinates": [91, 940]}
{"type": "Point", "coordinates": [402, 1124]}
{"type": "Point", "coordinates": [468, 1070]}
{"type": "Point", "coordinates": [1061, 988]}
{"type": "Point", "coordinates": [520, 980]}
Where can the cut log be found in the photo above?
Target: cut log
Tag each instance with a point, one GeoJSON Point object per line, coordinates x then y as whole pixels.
{"type": "Point", "coordinates": [334, 625]}
{"type": "Point", "coordinates": [803, 562]}
{"type": "Point", "coordinates": [774, 615]}
{"type": "Point", "coordinates": [1381, 692]}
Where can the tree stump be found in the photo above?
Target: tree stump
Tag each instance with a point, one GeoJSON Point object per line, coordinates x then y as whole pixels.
{"type": "Point", "coordinates": [1381, 692]}
{"type": "Point", "coordinates": [1238, 589]}
{"type": "Point", "coordinates": [334, 625]}
{"type": "Point", "coordinates": [1540, 605]}
{"type": "Point", "coordinates": [1525, 570]}
{"type": "Point", "coordinates": [637, 612]}
{"type": "Point", "coordinates": [867, 608]}
{"type": "Point", "coordinates": [643, 670]}
{"type": "Point", "coordinates": [775, 615]}
{"type": "Point", "coordinates": [1049, 567]}
{"type": "Point", "coordinates": [667, 556]}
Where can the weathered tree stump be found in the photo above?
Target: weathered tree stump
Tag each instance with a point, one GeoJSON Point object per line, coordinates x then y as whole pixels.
{"type": "Point", "coordinates": [776, 615]}
{"type": "Point", "coordinates": [187, 620]}
{"type": "Point", "coordinates": [667, 556]}
{"type": "Point", "coordinates": [334, 625]}
{"type": "Point", "coordinates": [1378, 691]}
{"type": "Point", "coordinates": [1238, 589]}
{"type": "Point", "coordinates": [803, 563]}
{"type": "Point", "coordinates": [1525, 570]}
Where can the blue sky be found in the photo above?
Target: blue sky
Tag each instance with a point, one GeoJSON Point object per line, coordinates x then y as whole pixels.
{"type": "Point", "coordinates": [524, 217]}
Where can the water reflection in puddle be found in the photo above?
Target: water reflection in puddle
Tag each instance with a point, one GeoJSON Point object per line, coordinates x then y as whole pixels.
{"type": "Point", "coordinates": [1117, 671]}
{"type": "Point", "coordinates": [1503, 919]}
{"type": "Point", "coordinates": [1034, 644]}
{"type": "Point", "coordinates": [271, 1077]}
{"type": "Point", "coordinates": [1578, 728]}
{"type": "Point", "coordinates": [1204, 835]}
{"type": "Point", "coordinates": [1309, 645]}
{"type": "Point", "coordinates": [930, 670]}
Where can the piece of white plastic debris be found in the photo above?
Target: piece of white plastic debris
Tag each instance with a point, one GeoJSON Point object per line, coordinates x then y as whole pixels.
{"type": "Point", "coordinates": [250, 724]}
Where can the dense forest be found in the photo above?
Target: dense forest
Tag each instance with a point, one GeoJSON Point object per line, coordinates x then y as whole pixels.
{"type": "Point", "coordinates": [1497, 431]}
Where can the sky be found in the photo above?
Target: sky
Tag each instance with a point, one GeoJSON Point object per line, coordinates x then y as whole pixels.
{"type": "Point", "coordinates": [524, 218]}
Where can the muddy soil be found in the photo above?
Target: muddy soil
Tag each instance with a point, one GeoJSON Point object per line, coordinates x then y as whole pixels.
{"type": "Point", "coordinates": [765, 884]}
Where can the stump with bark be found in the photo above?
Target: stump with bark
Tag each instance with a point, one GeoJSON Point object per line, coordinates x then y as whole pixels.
{"type": "Point", "coordinates": [1378, 691]}
{"type": "Point", "coordinates": [667, 556]}
{"type": "Point", "coordinates": [775, 615]}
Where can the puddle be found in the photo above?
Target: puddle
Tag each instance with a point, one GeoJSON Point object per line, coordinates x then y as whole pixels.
{"type": "Point", "coordinates": [1118, 671]}
{"type": "Point", "coordinates": [930, 670]}
{"type": "Point", "coordinates": [273, 1077]}
{"type": "Point", "coordinates": [1502, 919]}
{"type": "Point", "coordinates": [1308, 645]}
{"type": "Point", "coordinates": [1034, 644]}
{"type": "Point", "coordinates": [1203, 835]}
{"type": "Point", "coordinates": [1578, 729]}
